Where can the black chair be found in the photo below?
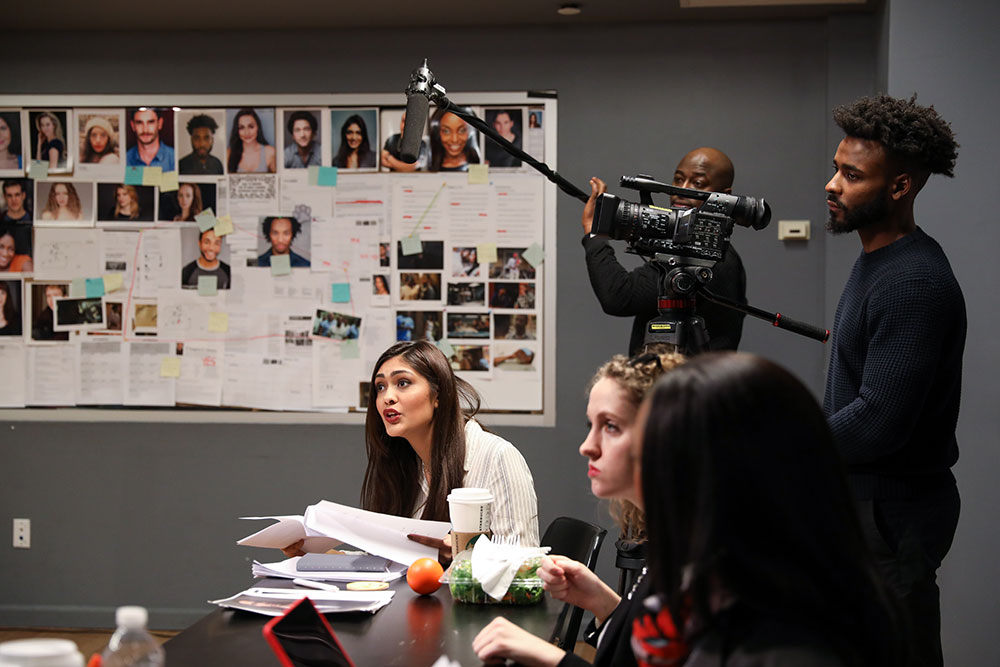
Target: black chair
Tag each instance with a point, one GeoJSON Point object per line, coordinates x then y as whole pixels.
{"type": "Point", "coordinates": [580, 541]}
{"type": "Point", "coordinates": [630, 560]}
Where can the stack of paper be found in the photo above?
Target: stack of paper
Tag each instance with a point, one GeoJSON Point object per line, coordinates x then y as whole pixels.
{"type": "Point", "coordinates": [286, 569]}
{"type": "Point", "coordinates": [274, 601]}
{"type": "Point", "coordinates": [289, 530]}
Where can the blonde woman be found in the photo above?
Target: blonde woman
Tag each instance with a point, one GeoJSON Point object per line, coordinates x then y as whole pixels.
{"type": "Point", "coordinates": [51, 141]}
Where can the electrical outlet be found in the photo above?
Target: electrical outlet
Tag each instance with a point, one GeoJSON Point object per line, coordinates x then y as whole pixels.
{"type": "Point", "coordinates": [22, 533]}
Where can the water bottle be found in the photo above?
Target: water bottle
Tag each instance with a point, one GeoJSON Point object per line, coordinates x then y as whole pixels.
{"type": "Point", "coordinates": [132, 645]}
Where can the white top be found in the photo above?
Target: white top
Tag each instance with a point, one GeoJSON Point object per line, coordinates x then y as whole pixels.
{"type": "Point", "coordinates": [493, 463]}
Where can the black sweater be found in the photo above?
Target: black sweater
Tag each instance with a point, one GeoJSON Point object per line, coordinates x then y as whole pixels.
{"type": "Point", "coordinates": [895, 378]}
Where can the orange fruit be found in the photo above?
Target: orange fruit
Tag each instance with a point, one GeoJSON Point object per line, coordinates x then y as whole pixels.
{"type": "Point", "coordinates": [423, 575]}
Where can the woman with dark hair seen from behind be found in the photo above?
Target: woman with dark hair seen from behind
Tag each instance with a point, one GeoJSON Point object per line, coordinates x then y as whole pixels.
{"type": "Point", "coordinates": [10, 142]}
{"type": "Point", "coordinates": [188, 202]}
{"type": "Point", "coordinates": [51, 143]}
{"type": "Point", "coordinates": [615, 393]}
{"type": "Point", "coordinates": [753, 537]}
{"type": "Point", "coordinates": [10, 319]}
{"type": "Point", "coordinates": [100, 143]}
{"type": "Point", "coordinates": [453, 143]}
{"type": "Point", "coordinates": [248, 150]}
{"type": "Point", "coordinates": [423, 441]}
{"type": "Point", "coordinates": [355, 151]}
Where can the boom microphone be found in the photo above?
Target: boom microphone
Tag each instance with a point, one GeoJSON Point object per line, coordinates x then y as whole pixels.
{"type": "Point", "coordinates": [419, 92]}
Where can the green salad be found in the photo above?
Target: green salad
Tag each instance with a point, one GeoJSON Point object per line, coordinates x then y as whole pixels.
{"type": "Point", "coordinates": [526, 588]}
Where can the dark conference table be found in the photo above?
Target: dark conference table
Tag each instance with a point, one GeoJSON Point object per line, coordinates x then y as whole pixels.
{"type": "Point", "coordinates": [412, 630]}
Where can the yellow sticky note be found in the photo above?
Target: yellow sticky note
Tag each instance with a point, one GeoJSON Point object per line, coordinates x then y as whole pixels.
{"type": "Point", "coordinates": [224, 225]}
{"type": "Point", "coordinates": [168, 182]}
{"type": "Point", "coordinates": [170, 367]}
{"type": "Point", "coordinates": [486, 252]}
{"type": "Point", "coordinates": [218, 322]}
{"type": "Point", "coordinates": [113, 282]}
{"type": "Point", "coordinates": [479, 174]}
{"type": "Point", "coordinates": [152, 175]}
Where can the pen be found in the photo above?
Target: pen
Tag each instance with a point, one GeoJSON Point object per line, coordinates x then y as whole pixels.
{"type": "Point", "coordinates": [309, 583]}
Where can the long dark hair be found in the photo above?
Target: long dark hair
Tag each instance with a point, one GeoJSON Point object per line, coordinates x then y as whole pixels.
{"type": "Point", "coordinates": [744, 490]}
{"type": "Point", "coordinates": [236, 144]}
{"type": "Point", "coordinates": [9, 312]}
{"type": "Point", "coordinates": [364, 150]}
{"type": "Point", "coordinates": [14, 125]}
{"type": "Point", "coordinates": [392, 481]}
{"type": "Point", "coordinates": [437, 148]}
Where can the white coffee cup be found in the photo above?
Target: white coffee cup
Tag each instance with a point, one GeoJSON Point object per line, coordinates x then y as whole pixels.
{"type": "Point", "coordinates": [469, 510]}
{"type": "Point", "coordinates": [40, 653]}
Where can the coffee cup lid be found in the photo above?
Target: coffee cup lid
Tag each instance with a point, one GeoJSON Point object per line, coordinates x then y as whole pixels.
{"type": "Point", "coordinates": [470, 495]}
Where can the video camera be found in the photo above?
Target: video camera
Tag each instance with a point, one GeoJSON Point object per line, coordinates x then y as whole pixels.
{"type": "Point", "coordinates": [700, 233]}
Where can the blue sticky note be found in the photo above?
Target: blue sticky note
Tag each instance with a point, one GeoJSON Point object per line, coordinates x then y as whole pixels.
{"type": "Point", "coordinates": [206, 219]}
{"type": "Point", "coordinates": [133, 175]}
{"type": "Point", "coordinates": [208, 285]}
{"type": "Point", "coordinates": [281, 265]}
{"type": "Point", "coordinates": [341, 293]}
{"type": "Point", "coordinates": [534, 255]}
{"type": "Point", "coordinates": [349, 349]}
{"type": "Point", "coordinates": [327, 176]}
{"type": "Point", "coordinates": [95, 288]}
{"type": "Point", "coordinates": [411, 244]}
{"type": "Point", "coordinates": [446, 348]}
{"type": "Point", "coordinates": [314, 175]}
{"type": "Point", "coordinates": [78, 288]}
{"type": "Point", "coordinates": [38, 170]}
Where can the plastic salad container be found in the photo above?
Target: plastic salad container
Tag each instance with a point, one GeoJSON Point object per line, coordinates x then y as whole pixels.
{"type": "Point", "coordinates": [526, 588]}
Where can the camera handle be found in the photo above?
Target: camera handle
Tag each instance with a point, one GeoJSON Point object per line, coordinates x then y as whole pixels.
{"type": "Point", "coordinates": [776, 319]}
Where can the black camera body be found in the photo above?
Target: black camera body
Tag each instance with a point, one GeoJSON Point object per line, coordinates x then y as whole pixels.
{"type": "Point", "coordinates": [699, 233]}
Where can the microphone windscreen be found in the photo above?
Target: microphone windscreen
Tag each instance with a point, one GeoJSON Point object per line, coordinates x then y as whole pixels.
{"type": "Point", "coordinates": [413, 130]}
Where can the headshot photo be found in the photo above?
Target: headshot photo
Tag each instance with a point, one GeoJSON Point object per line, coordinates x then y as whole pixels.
{"type": "Point", "coordinates": [64, 202]}
{"type": "Point", "coordinates": [187, 201]}
{"type": "Point", "coordinates": [15, 212]}
{"type": "Point", "coordinates": [515, 327]}
{"type": "Point", "coordinates": [112, 315]}
{"type": "Point", "coordinates": [74, 314]}
{"type": "Point", "coordinates": [100, 153]}
{"type": "Point", "coordinates": [150, 138]}
{"type": "Point", "coordinates": [336, 326]}
{"type": "Point", "coordinates": [43, 311]}
{"type": "Point", "coordinates": [392, 122]}
{"type": "Point", "coordinates": [199, 143]}
{"type": "Point", "coordinates": [10, 307]}
{"type": "Point", "coordinates": [419, 325]}
{"type": "Point", "coordinates": [10, 260]}
{"type": "Point", "coordinates": [468, 325]}
{"type": "Point", "coordinates": [512, 295]}
{"type": "Point", "coordinates": [204, 254]}
{"type": "Point", "coordinates": [384, 254]}
{"type": "Point", "coordinates": [466, 294]}
{"type": "Point", "coordinates": [302, 138]}
{"type": "Point", "coordinates": [470, 358]}
{"type": "Point", "coordinates": [509, 124]}
{"type": "Point", "coordinates": [117, 202]}
{"type": "Point", "coordinates": [420, 286]}
{"type": "Point", "coordinates": [431, 256]}
{"type": "Point", "coordinates": [454, 143]}
{"type": "Point", "coordinates": [283, 235]}
{"type": "Point", "coordinates": [511, 265]}
{"type": "Point", "coordinates": [380, 284]}
{"type": "Point", "coordinates": [48, 137]}
{"type": "Point", "coordinates": [11, 157]}
{"type": "Point", "coordinates": [355, 138]}
{"type": "Point", "coordinates": [250, 149]}
{"type": "Point", "coordinates": [535, 119]}
{"type": "Point", "coordinates": [464, 263]}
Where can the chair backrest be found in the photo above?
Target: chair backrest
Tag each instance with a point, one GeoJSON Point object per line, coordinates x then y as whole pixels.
{"type": "Point", "coordinates": [580, 541]}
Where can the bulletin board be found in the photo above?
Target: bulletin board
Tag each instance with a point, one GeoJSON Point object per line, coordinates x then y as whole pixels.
{"type": "Point", "coordinates": [247, 258]}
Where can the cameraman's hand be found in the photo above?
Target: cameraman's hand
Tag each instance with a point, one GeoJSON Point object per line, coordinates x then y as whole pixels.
{"type": "Point", "coordinates": [597, 188]}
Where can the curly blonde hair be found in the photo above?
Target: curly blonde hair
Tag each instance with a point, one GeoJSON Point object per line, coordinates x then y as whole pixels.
{"type": "Point", "coordinates": [636, 376]}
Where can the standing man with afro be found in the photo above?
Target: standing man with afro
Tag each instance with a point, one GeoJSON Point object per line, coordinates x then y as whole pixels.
{"type": "Point", "coordinates": [895, 377]}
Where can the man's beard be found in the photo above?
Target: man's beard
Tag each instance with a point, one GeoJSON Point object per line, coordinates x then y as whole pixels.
{"type": "Point", "coordinates": [863, 215]}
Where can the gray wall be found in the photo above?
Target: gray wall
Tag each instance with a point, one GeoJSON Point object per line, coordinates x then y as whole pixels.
{"type": "Point", "coordinates": [146, 513]}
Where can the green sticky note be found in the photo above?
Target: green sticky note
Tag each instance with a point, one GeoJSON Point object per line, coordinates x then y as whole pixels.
{"type": "Point", "coordinates": [479, 174]}
{"type": "Point", "coordinates": [38, 170]}
{"type": "Point", "coordinates": [534, 255]}
{"type": "Point", "coordinates": [113, 282]}
{"type": "Point", "coordinates": [486, 252]}
{"type": "Point", "coordinates": [314, 175]}
{"type": "Point", "coordinates": [446, 348]}
{"type": "Point", "coordinates": [349, 349]}
{"type": "Point", "coordinates": [341, 293]}
{"type": "Point", "coordinates": [208, 285]}
{"type": "Point", "coordinates": [78, 288]}
{"type": "Point", "coordinates": [327, 176]}
{"type": "Point", "coordinates": [281, 265]}
{"type": "Point", "coordinates": [152, 175]}
{"type": "Point", "coordinates": [95, 288]}
{"type": "Point", "coordinates": [133, 175]}
{"type": "Point", "coordinates": [205, 219]}
{"type": "Point", "coordinates": [412, 245]}
{"type": "Point", "coordinates": [223, 226]}
{"type": "Point", "coordinates": [168, 182]}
